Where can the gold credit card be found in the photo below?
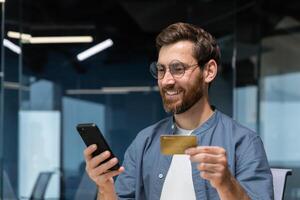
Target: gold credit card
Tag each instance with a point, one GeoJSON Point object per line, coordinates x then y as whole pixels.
{"type": "Point", "coordinates": [176, 144]}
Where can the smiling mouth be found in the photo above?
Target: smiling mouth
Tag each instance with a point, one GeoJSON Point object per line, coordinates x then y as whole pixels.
{"type": "Point", "coordinates": [172, 92]}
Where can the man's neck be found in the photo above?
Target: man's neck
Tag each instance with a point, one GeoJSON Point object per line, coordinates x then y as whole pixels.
{"type": "Point", "coordinates": [195, 116]}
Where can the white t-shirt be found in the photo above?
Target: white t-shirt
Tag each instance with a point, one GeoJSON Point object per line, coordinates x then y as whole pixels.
{"type": "Point", "coordinates": [179, 182]}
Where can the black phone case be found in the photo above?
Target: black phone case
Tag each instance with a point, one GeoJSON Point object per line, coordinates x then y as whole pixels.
{"type": "Point", "coordinates": [91, 134]}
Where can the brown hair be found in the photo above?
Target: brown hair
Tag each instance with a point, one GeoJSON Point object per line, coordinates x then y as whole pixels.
{"type": "Point", "coordinates": [206, 47]}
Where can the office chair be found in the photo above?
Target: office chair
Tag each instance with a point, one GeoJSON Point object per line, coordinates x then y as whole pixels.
{"type": "Point", "coordinates": [8, 192]}
{"type": "Point", "coordinates": [279, 180]}
{"type": "Point", "coordinates": [87, 189]}
{"type": "Point", "coordinates": [40, 186]}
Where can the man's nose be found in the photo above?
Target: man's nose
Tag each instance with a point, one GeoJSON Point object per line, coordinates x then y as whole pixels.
{"type": "Point", "coordinates": [168, 78]}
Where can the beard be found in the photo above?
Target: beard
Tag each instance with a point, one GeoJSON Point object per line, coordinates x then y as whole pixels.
{"type": "Point", "coordinates": [185, 99]}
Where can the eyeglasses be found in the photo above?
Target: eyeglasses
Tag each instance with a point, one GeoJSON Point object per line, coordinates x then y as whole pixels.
{"type": "Point", "coordinates": [176, 68]}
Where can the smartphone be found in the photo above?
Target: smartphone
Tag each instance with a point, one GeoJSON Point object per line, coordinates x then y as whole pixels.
{"type": "Point", "coordinates": [91, 134]}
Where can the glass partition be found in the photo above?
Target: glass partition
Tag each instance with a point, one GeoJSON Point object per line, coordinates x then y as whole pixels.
{"type": "Point", "coordinates": [280, 98]}
{"type": "Point", "coordinates": [267, 91]}
{"type": "Point", "coordinates": [10, 102]}
{"type": "Point", "coordinates": [2, 14]}
{"type": "Point", "coordinates": [48, 89]}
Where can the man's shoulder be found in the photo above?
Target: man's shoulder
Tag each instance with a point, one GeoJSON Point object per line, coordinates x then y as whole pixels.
{"type": "Point", "coordinates": [243, 138]}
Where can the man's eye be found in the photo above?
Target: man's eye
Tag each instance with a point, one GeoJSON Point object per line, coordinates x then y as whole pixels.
{"type": "Point", "coordinates": [160, 68]}
{"type": "Point", "coordinates": [178, 67]}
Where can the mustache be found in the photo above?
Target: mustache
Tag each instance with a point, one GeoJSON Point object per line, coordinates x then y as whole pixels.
{"type": "Point", "coordinates": [170, 87]}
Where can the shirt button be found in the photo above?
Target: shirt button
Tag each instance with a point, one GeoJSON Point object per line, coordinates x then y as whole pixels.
{"type": "Point", "coordinates": [160, 176]}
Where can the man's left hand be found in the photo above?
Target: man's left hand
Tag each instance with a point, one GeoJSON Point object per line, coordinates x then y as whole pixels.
{"type": "Point", "coordinates": [212, 164]}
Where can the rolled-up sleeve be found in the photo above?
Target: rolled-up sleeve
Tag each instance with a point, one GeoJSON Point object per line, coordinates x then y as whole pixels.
{"type": "Point", "coordinates": [253, 171]}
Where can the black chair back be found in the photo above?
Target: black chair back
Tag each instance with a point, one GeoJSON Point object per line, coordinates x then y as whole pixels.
{"type": "Point", "coordinates": [40, 186]}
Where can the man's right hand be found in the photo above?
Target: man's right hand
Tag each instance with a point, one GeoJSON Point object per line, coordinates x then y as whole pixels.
{"type": "Point", "coordinates": [100, 174]}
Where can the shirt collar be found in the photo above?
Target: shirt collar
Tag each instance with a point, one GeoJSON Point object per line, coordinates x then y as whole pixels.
{"type": "Point", "coordinates": [171, 127]}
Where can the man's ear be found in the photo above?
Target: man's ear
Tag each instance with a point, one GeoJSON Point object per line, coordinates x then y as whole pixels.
{"type": "Point", "coordinates": [210, 71]}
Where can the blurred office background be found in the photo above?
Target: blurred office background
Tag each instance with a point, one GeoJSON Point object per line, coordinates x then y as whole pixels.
{"type": "Point", "coordinates": [46, 88]}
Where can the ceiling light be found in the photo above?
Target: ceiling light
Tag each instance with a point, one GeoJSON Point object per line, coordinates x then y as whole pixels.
{"type": "Point", "coordinates": [95, 49]}
{"type": "Point", "coordinates": [27, 38]}
{"type": "Point", "coordinates": [61, 39]}
{"type": "Point", "coordinates": [12, 46]}
{"type": "Point", "coordinates": [2, 1]}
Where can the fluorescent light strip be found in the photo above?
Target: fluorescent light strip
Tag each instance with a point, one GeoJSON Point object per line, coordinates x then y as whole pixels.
{"type": "Point", "coordinates": [62, 39]}
{"type": "Point", "coordinates": [112, 90]}
{"type": "Point", "coordinates": [15, 86]}
{"type": "Point", "coordinates": [27, 38]}
{"type": "Point", "coordinates": [16, 35]}
{"type": "Point", "coordinates": [95, 49]}
{"type": "Point", "coordinates": [12, 46]}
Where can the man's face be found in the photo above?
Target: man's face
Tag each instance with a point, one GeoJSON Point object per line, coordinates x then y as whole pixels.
{"type": "Point", "coordinates": [180, 94]}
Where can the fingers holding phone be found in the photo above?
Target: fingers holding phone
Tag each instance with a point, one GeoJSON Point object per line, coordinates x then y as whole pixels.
{"type": "Point", "coordinates": [94, 161]}
{"type": "Point", "coordinates": [101, 164]}
{"type": "Point", "coordinates": [98, 170]}
{"type": "Point", "coordinates": [91, 135]}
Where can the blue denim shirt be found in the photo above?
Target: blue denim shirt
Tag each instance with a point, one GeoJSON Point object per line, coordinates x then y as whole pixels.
{"type": "Point", "coordinates": [146, 168]}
